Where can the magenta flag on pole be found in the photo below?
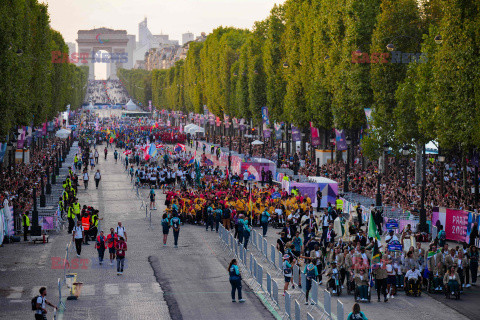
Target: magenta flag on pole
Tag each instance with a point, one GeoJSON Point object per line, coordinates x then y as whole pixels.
{"type": "Point", "coordinates": [315, 135]}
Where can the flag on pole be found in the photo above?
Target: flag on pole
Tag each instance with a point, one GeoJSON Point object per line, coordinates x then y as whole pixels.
{"type": "Point", "coordinates": [372, 228]}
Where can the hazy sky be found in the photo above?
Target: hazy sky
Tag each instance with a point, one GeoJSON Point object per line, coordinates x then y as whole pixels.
{"type": "Point", "coordinates": [172, 17]}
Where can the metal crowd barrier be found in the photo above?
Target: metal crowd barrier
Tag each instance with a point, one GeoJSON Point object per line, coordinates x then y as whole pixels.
{"type": "Point", "coordinates": [255, 271]}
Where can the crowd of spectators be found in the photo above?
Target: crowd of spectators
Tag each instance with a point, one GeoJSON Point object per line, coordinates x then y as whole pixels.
{"type": "Point", "coordinates": [398, 187]}
{"type": "Point", "coordinates": [19, 180]}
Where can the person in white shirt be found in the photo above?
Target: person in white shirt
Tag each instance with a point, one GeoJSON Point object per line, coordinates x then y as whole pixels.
{"type": "Point", "coordinates": [121, 231]}
{"type": "Point", "coordinates": [41, 312]}
{"type": "Point", "coordinates": [413, 280]}
{"type": "Point", "coordinates": [85, 179]}
{"type": "Point", "coordinates": [78, 234]}
{"type": "Point", "coordinates": [97, 178]}
{"type": "Point", "coordinates": [391, 237]}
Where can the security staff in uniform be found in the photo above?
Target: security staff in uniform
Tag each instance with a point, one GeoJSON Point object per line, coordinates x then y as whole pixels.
{"type": "Point", "coordinates": [26, 225]}
{"type": "Point", "coordinates": [339, 203]}
{"type": "Point", "coordinates": [61, 206]}
{"type": "Point", "coordinates": [71, 218]}
{"type": "Point", "coordinates": [94, 228]}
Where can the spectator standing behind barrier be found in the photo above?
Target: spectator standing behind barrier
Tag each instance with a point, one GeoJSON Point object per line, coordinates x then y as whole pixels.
{"type": "Point", "coordinates": [235, 280]}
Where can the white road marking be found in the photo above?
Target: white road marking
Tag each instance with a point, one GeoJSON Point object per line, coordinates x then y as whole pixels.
{"type": "Point", "coordinates": [16, 293]}
{"type": "Point", "coordinates": [111, 288]}
{"type": "Point", "coordinates": [88, 290]}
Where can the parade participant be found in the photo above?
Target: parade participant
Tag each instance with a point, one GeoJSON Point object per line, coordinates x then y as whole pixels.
{"type": "Point", "coordinates": [111, 242]}
{"type": "Point", "coordinates": [175, 223]}
{"type": "Point", "coordinates": [218, 217]}
{"type": "Point", "coordinates": [120, 248]}
{"type": "Point", "coordinates": [311, 273]}
{"type": "Point", "coordinates": [96, 156]}
{"type": "Point", "coordinates": [264, 221]}
{"type": "Point", "coordinates": [246, 233]}
{"type": "Point", "coordinates": [105, 151]}
{"type": "Point", "coordinates": [101, 245]}
{"type": "Point", "coordinates": [165, 228]}
{"type": "Point", "coordinates": [152, 199]}
{"type": "Point", "coordinates": [115, 155]}
{"type": "Point", "coordinates": [235, 279]}
{"type": "Point", "coordinates": [356, 314]}
{"type": "Point", "coordinates": [287, 272]}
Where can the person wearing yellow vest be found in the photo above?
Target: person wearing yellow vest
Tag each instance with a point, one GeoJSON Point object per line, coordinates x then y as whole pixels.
{"type": "Point", "coordinates": [94, 228]}
{"type": "Point", "coordinates": [26, 225]}
{"type": "Point", "coordinates": [86, 228]}
{"type": "Point", "coordinates": [339, 203]}
{"type": "Point", "coordinates": [71, 218]}
{"type": "Point", "coordinates": [61, 207]}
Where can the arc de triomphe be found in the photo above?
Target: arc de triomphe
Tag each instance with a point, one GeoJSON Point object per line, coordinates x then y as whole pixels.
{"type": "Point", "coordinates": [113, 41]}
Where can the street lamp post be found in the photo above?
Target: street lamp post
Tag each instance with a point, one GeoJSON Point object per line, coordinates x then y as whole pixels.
{"type": "Point", "coordinates": [43, 200]}
{"type": "Point", "coordinates": [332, 144]}
{"type": "Point", "coordinates": [378, 197]}
{"type": "Point", "coordinates": [318, 168]}
{"type": "Point", "coordinates": [405, 152]}
{"type": "Point", "coordinates": [441, 159]}
{"type": "Point", "coordinates": [347, 167]}
{"type": "Point", "coordinates": [423, 212]}
{"type": "Point", "coordinates": [49, 186]}
{"type": "Point", "coordinates": [36, 229]}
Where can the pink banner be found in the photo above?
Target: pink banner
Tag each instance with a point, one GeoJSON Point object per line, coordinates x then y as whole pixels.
{"type": "Point", "coordinates": [456, 222]}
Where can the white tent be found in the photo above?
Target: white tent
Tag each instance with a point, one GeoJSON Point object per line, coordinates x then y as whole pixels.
{"type": "Point", "coordinates": [130, 105]}
{"type": "Point", "coordinates": [256, 143]}
{"type": "Point", "coordinates": [63, 133]}
{"type": "Point", "coordinates": [89, 107]}
{"type": "Point", "coordinates": [193, 128]}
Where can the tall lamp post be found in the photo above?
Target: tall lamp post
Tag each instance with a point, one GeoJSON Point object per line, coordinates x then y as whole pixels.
{"type": "Point", "coordinates": [347, 167]}
{"type": "Point", "coordinates": [378, 197]}
{"type": "Point", "coordinates": [405, 152]}
{"type": "Point", "coordinates": [441, 159]}
{"type": "Point", "coordinates": [332, 144]}
{"type": "Point", "coordinates": [423, 212]}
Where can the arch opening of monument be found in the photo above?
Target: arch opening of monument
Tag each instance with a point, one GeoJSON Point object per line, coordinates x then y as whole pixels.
{"type": "Point", "coordinates": [105, 47]}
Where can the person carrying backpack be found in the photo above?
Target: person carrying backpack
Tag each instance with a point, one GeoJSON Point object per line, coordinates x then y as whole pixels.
{"type": "Point", "coordinates": [38, 305]}
{"type": "Point", "coordinates": [175, 223]}
{"type": "Point", "coordinates": [165, 227]}
{"type": "Point", "coordinates": [101, 245]}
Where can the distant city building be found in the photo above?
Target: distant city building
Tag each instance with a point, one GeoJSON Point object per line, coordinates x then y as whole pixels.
{"type": "Point", "coordinates": [187, 37]}
{"type": "Point", "coordinates": [201, 37]}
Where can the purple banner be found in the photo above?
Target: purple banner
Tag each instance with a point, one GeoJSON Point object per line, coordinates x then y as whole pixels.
{"type": "Point", "coordinates": [340, 139]}
{"type": "Point", "coordinates": [296, 136]}
{"type": "Point", "coordinates": [278, 130]}
{"type": "Point", "coordinates": [266, 133]}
